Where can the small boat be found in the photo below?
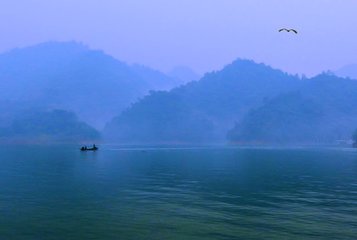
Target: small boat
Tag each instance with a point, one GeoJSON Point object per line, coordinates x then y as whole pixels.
{"type": "Point", "coordinates": [85, 148]}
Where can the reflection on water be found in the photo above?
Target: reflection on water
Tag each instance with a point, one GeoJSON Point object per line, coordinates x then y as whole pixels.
{"type": "Point", "coordinates": [191, 193]}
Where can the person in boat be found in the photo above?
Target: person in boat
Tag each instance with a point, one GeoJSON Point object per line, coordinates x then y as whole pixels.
{"type": "Point", "coordinates": [94, 148]}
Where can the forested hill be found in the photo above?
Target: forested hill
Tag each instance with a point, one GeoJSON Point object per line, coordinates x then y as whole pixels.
{"type": "Point", "coordinates": [41, 126]}
{"type": "Point", "coordinates": [322, 111]}
{"type": "Point", "coordinates": [201, 111]}
{"type": "Point", "coordinates": [70, 76]}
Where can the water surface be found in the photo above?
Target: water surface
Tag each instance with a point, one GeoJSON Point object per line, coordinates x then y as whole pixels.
{"type": "Point", "coordinates": [57, 192]}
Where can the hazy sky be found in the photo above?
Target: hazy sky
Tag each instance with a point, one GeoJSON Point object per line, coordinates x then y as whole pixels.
{"type": "Point", "coordinates": [202, 34]}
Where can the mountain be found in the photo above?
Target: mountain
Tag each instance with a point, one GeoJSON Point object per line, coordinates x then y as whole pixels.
{"type": "Point", "coordinates": [322, 110]}
{"type": "Point", "coordinates": [70, 76]}
{"type": "Point", "coordinates": [286, 118]}
{"type": "Point", "coordinates": [155, 80]}
{"type": "Point", "coordinates": [348, 71]}
{"type": "Point", "coordinates": [200, 111]}
{"type": "Point", "coordinates": [46, 126]}
{"type": "Point", "coordinates": [183, 74]}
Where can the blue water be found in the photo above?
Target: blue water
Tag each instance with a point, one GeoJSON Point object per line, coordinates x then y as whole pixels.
{"type": "Point", "coordinates": [59, 192]}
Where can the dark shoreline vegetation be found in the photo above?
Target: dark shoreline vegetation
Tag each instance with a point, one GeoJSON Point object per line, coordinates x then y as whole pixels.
{"type": "Point", "coordinates": [65, 92]}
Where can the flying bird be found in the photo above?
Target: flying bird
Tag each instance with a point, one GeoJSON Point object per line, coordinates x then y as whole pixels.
{"type": "Point", "coordinates": [288, 30]}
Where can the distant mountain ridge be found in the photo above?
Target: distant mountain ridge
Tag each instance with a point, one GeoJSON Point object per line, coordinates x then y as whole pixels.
{"type": "Point", "coordinates": [203, 110]}
{"type": "Point", "coordinates": [183, 74]}
{"type": "Point", "coordinates": [70, 76]}
{"type": "Point", "coordinates": [322, 110]}
{"type": "Point", "coordinates": [348, 71]}
{"type": "Point", "coordinates": [57, 91]}
{"type": "Point", "coordinates": [245, 102]}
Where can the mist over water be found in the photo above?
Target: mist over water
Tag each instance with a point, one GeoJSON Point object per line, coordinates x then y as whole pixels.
{"type": "Point", "coordinates": [167, 193]}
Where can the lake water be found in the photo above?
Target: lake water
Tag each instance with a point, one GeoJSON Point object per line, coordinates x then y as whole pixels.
{"type": "Point", "coordinates": [167, 193]}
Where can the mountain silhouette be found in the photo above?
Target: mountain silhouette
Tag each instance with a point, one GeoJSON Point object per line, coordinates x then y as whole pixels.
{"type": "Point", "coordinates": [322, 110]}
{"type": "Point", "coordinates": [70, 76]}
{"type": "Point", "coordinates": [348, 71]}
{"type": "Point", "coordinates": [200, 111]}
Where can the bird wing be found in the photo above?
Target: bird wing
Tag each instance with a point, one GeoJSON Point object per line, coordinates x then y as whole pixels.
{"type": "Point", "coordinates": [294, 31]}
{"type": "Point", "coordinates": [283, 29]}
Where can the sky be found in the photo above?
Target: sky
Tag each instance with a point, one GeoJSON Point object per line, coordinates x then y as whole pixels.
{"type": "Point", "coordinates": [204, 35]}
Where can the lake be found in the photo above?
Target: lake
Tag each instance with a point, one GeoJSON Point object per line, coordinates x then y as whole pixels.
{"type": "Point", "coordinates": [58, 192]}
